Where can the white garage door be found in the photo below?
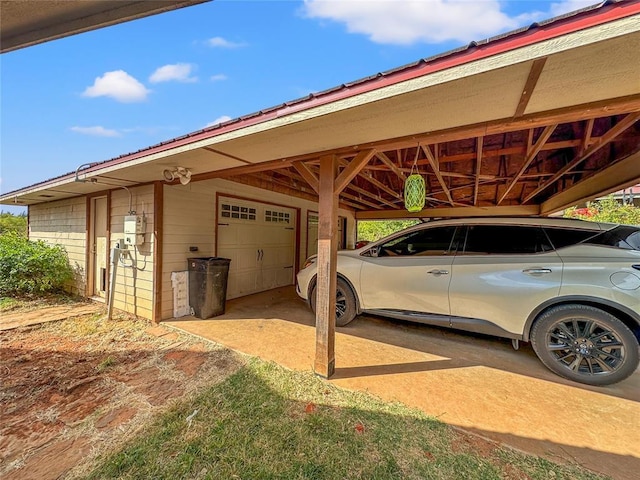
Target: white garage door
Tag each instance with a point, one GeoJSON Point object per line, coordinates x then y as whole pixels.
{"type": "Point", "coordinates": [260, 241]}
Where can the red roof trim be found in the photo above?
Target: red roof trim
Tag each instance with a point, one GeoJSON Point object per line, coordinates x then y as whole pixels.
{"type": "Point", "coordinates": [591, 17]}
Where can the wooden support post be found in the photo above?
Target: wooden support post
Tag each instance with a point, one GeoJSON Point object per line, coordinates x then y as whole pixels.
{"type": "Point", "coordinates": [327, 256]}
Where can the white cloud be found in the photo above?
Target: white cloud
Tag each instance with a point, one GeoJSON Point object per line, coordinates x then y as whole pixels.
{"type": "Point", "coordinates": [222, 119]}
{"type": "Point", "coordinates": [406, 22]}
{"type": "Point", "coordinates": [178, 72]}
{"type": "Point", "coordinates": [218, 77]}
{"type": "Point", "coordinates": [118, 85]}
{"type": "Point", "coordinates": [96, 131]}
{"type": "Point", "coordinates": [566, 6]}
{"type": "Point", "coordinates": [219, 42]}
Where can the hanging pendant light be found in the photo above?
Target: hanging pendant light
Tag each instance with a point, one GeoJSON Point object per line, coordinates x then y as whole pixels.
{"type": "Point", "coordinates": [415, 192]}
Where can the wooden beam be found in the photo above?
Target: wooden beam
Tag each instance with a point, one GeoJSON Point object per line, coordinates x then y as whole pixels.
{"type": "Point", "coordinates": [158, 240]}
{"type": "Point", "coordinates": [324, 365]}
{"type": "Point", "coordinates": [620, 127]}
{"type": "Point", "coordinates": [354, 167]}
{"type": "Point", "coordinates": [479, 143]}
{"type": "Point", "coordinates": [361, 200]}
{"type": "Point", "coordinates": [387, 161]}
{"type": "Point", "coordinates": [369, 178]}
{"type": "Point", "coordinates": [604, 108]}
{"type": "Point", "coordinates": [368, 194]}
{"type": "Point", "coordinates": [308, 175]}
{"type": "Point", "coordinates": [618, 176]}
{"type": "Point", "coordinates": [587, 136]}
{"type": "Point", "coordinates": [468, 211]}
{"type": "Point", "coordinates": [530, 85]}
{"type": "Point", "coordinates": [436, 169]}
{"type": "Point", "coordinates": [244, 170]}
{"type": "Point", "coordinates": [531, 155]}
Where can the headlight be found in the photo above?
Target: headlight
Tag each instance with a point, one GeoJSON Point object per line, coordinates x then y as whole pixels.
{"type": "Point", "coordinates": [309, 261]}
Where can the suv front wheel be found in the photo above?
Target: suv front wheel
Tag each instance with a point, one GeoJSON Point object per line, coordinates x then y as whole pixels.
{"type": "Point", "coordinates": [585, 344]}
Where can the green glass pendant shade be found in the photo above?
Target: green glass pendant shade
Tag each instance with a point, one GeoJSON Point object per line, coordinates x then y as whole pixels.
{"type": "Point", "coordinates": [414, 193]}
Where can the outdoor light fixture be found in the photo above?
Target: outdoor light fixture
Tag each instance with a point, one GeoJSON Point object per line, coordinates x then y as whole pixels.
{"type": "Point", "coordinates": [181, 173]}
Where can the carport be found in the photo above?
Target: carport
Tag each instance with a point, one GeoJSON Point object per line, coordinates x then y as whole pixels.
{"type": "Point", "coordinates": [526, 123]}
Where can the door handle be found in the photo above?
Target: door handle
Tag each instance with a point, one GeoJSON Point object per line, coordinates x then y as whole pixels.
{"type": "Point", "coordinates": [437, 273]}
{"type": "Point", "coordinates": [536, 271]}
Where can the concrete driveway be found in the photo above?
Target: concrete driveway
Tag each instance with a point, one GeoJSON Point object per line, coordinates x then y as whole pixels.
{"type": "Point", "coordinates": [474, 382]}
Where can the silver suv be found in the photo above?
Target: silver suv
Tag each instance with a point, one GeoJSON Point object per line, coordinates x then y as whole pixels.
{"type": "Point", "coordinates": [571, 288]}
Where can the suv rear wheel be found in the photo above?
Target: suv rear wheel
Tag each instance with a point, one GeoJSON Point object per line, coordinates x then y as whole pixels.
{"type": "Point", "coordinates": [585, 344]}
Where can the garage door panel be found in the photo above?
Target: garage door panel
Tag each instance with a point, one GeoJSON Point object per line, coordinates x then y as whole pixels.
{"type": "Point", "coordinates": [227, 235]}
{"type": "Point", "coordinates": [260, 241]}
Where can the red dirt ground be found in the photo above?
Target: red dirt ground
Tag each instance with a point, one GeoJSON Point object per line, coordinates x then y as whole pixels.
{"type": "Point", "coordinates": [72, 390]}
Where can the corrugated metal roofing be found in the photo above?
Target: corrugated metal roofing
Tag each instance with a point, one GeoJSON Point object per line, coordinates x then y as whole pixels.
{"type": "Point", "coordinates": [314, 99]}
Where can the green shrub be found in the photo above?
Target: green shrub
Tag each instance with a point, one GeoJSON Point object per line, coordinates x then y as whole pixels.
{"type": "Point", "coordinates": [606, 209]}
{"type": "Point", "coordinates": [28, 267]}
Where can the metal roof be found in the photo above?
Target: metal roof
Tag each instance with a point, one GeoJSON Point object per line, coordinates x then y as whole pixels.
{"type": "Point", "coordinates": [28, 22]}
{"type": "Point", "coordinates": [475, 51]}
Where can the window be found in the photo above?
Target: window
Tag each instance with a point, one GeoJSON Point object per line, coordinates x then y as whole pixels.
{"type": "Point", "coordinates": [427, 241]}
{"type": "Point", "coordinates": [623, 236]}
{"type": "Point", "coordinates": [237, 211]}
{"type": "Point", "coordinates": [565, 237]}
{"type": "Point", "coordinates": [276, 217]}
{"type": "Point", "coordinates": [505, 240]}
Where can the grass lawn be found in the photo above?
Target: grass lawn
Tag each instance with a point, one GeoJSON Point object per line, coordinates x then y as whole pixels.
{"type": "Point", "coordinates": [265, 422]}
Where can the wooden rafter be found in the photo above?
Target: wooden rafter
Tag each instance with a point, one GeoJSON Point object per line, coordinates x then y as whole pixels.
{"type": "Point", "coordinates": [362, 192]}
{"type": "Point", "coordinates": [479, 142]}
{"type": "Point", "coordinates": [360, 200]}
{"type": "Point", "coordinates": [369, 178]}
{"type": "Point", "coordinates": [433, 161]}
{"type": "Point", "coordinates": [531, 155]}
{"type": "Point", "coordinates": [395, 169]}
{"type": "Point", "coordinates": [530, 85]}
{"type": "Point", "coordinates": [587, 136]}
{"type": "Point", "coordinates": [372, 196]}
{"type": "Point", "coordinates": [306, 173]}
{"type": "Point", "coordinates": [620, 127]}
{"type": "Point", "coordinates": [354, 167]}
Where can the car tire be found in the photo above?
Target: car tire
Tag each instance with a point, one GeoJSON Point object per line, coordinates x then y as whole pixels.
{"type": "Point", "coordinates": [346, 309]}
{"type": "Point", "coordinates": [585, 344]}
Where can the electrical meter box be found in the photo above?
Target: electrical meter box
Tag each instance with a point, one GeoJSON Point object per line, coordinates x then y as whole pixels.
{"type": "Point", "coordinates": [135, 227]}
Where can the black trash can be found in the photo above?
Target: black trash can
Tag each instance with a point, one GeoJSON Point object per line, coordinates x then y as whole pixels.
{"type": "Point", "coordinates": [208, 285]}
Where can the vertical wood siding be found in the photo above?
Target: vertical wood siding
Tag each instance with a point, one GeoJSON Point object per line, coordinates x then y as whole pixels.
{"type": "Point", "coordinates": [64, 223]}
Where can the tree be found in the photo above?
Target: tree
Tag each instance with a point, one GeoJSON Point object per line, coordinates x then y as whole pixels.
{"type": "Point", "coordinates": [372, 230]}
{"type": "Point", "coordinates": [10, 223]}
{"type": "Point", "coordinates": [607, 210]}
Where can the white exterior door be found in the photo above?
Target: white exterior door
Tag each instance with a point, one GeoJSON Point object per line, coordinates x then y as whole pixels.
{"type": "Point", "coordinates": [260, 241]}
{"type": "Point", "coordinates": [99, 216]}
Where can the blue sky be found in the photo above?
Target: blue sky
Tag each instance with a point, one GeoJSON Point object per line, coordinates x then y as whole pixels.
{"type": "Point", "coordinates": [101, 94]}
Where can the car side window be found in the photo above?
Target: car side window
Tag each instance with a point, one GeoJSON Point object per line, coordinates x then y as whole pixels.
{"type": "Point", "coordinates": [565, 237]}
{"type": "Point", "coordinates": [427, 241]}
{"type": "Point", "coordinates": [505, 240]}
